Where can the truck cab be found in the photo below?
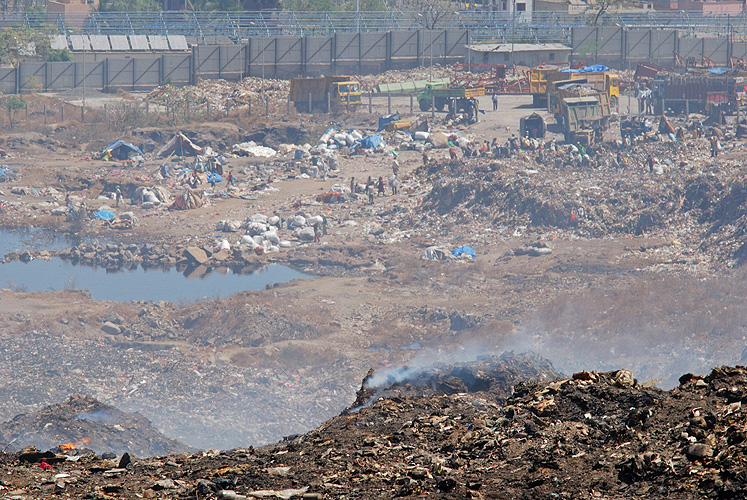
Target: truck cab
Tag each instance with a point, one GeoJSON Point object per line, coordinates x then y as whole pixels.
{"type": "Point", "coordinates": [345, 92]}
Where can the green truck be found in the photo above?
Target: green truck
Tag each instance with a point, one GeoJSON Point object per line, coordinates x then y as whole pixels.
{"type": "Point", "coordinates": [441, 97]}
{"type": "Point", "coordinates": [584, 119]}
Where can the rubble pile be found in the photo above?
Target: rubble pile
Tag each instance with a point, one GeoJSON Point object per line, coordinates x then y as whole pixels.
{"type": "Point", "coordinates": [703, 206]}
{"type": "Point", "coordinates": [596, 435]}
{"type": "Point", "coordinates": [435, 71]}
{"type": "Point", "coordinates": [84, 423]}
{"type": "Point", "coordinates": [222, 95]}
{"type": "Point", "coordinates": [494, 374]}
{"type": "Point", "coordinates": [237, 396]}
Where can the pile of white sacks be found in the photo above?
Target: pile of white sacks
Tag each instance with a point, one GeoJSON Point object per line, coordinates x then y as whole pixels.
{"type": "Point", "coordinates": [262, 231]}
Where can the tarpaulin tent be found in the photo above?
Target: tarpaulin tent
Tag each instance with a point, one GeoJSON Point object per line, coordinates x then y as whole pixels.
{"type": "Point", "coordinates": [121, 150]}
{"type": "Point", "coordinates": [180, 145]}
{"type": "Point", "coordinates": [190, 198]}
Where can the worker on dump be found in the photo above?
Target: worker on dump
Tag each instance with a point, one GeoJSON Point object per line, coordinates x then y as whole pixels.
{"type": "Point", "coordinates": [370, 190]}
{"type": "Point", "coordinates": [380, 187]}
{"type": "Point", "coordinates": [230, 179]}
{"type": "Point", "coordinates": [118, 195]}
{"type": "Point", "coordinates": [495, 102]}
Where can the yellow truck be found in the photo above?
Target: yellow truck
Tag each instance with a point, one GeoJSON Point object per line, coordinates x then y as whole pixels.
{"type": "Point", "coordinates": [337, 92]}
{"type": "Point", "coordinates": [538, 81]}
{"type": "Point", "coordinates": [603, 81]}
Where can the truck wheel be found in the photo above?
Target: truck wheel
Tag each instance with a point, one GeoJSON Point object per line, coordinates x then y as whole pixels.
{"type": "Point", "coordinates": [613, 101]}
{"type": "Point", "coordinates": [424, 105]}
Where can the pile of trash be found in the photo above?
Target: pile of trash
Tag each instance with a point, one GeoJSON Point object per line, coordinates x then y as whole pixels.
{"type": "Point", "coordinates": [435, 71]}
{"type": "Point", "coordinates": [222, 95]}
{"type": "Point", "coordinates": [594, 434]}
{"type": "Point", "coordinates": [82, 425]}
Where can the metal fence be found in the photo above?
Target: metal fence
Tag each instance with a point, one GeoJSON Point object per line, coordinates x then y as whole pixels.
{"type": "Point", "coordinates": [226, 27]}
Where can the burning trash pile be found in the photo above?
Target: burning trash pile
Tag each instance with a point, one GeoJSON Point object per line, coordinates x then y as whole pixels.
{"type": "Point", "coordinates": [596, 435]}
{"type": "Point", "coordinates": [83, 424]}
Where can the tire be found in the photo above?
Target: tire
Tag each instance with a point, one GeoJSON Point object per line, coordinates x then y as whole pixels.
{"type": "Point", "coordinates": [424, 105]}
{"type": "Point", "coordinates": [613, 101]}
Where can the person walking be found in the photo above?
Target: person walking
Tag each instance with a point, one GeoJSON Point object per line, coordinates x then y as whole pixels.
{"type": "Point", "coordinates": [118, 195]}
{"type": "Point", "coordinates": [380, 187]}
{"type": "Point", "coordinates": [495, 102]}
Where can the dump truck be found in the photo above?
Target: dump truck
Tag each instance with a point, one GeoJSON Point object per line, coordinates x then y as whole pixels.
{"type": "Point", "coordinates": [325, 92]}
{"type": "Point", "coordinates": [584, 119]}
{"type": "Point", "coordinates": [440, 98]}
{"type": "Point", "coordinates": [532, 126]}
{"type": "Point", "coordinates": [538, 81]}
{"type": "Point", "coordinates": [601, 81]}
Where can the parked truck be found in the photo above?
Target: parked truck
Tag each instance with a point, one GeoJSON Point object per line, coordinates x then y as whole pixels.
{"type": "Point", "coordinates": [601, 81]}
{"type": "Point", "coordinates": [538, 81]}
{"type": "Point", "coordinates": [322, 92]}
{"type": "Point", "coordinates": [441, 97]}
{"type": "Point", "coordinates": [584, 119]}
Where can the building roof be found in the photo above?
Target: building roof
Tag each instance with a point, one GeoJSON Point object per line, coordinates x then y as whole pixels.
{"type": "Point", "coordinates": [502, 48]}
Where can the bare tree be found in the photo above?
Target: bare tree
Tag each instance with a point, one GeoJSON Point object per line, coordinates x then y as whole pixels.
{"type": "Point", "coordinates": [431, 12]}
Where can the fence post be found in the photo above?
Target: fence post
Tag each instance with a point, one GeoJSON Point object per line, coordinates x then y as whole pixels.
{"type": "Point", "coordinates": [433, 107]}
{"type": "Point", "coordinates": [249, 112]}
{"type": "Point", "coordinates": [370, 103]}
{"type": "Point", "coordinates": [389, 104]}
{"type": "Point", "coordinates": [62, 111]}
{"type": "Point", "coordinates": [410, 103]}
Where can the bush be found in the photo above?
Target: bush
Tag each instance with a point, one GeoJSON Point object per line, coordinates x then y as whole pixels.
{"type": "Point", "coordinates": [56, 55]}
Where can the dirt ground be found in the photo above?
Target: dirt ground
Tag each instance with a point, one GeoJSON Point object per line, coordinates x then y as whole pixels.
{"type": "Point", "coordinates": [252, 368]}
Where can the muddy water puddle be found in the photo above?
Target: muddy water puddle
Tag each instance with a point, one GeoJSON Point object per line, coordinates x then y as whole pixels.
{"type": "Point", "coordinates": [124, 285]}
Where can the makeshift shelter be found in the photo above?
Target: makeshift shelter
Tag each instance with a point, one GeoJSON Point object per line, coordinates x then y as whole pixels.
{"type": "Point", "coordinates": [121, 150]}
{"type": "Point", "coordinates": [180, 145]}
{"type": "Point", "coordinates": [371, 142]}
{"type": "Point", "coordinates": [189, 199]}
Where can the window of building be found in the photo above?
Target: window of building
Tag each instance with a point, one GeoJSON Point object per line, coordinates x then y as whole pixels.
{"type": "Point", "coordinates": [521, 7]}
{"type": "Point", "coordinates": [505, 5]}
{"type": "Point", "coordinates": [551, 56]}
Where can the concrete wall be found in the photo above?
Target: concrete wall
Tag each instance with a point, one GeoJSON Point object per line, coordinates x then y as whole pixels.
{"type": "Point", "coordinates": [622, 48]}
{"type": "Point", "coordinates": [274, 57]}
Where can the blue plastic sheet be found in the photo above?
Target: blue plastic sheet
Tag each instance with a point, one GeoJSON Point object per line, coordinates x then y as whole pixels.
{"type": "Point", "coordinates": [119, 143]}
{"type": "Point", "coordinates": [459, 251]}
{"type": "Point", "coordinates": [369, 142]}
{"type": "Point", "coordinates": [104, 214]}
{"type": "Point", "coordinates": [214, 177]}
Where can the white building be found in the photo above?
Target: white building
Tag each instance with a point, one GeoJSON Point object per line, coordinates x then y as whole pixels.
{"type": "Point", "coordinates": [522, 54]}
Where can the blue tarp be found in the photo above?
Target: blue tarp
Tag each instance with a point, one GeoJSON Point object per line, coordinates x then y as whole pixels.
{"type": "Point", "coordinates": [459, 251]}
{"type": "Point", "coordinates": [387, 119]}
{"type": "Point", "coordinates": [369, 142]}
{"type": "Point", "coordinates": [594, 68]}
{"type": "Point", "coordinates": [6, 171]}
{"type": "Point", "coordinates": [119, 143]}
{"type": "Point", "coordinates": [104, 214]}
{"type": "Point", "coordinates": [214, 177]}
{"type": "Point", "coordinates": [718, 71]}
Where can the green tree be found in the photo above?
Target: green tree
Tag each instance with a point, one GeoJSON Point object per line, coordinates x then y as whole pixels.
{"type": "Point", "coordinates": [129, 5]}
{"type": "Point", "coordinates": [311, 5]}
{"type": "Point", "coordinates": [367, 5]}
{"type": "Point", "coordinates": [12, 103]}
{"type": "Point", "coordinates": [20, 42]}
{"type": "Point", "coordinates": [220, 5]}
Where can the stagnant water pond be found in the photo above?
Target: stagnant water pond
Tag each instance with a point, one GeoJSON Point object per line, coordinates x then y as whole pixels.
{"type": "Point", "coordinates": [122, 285]}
